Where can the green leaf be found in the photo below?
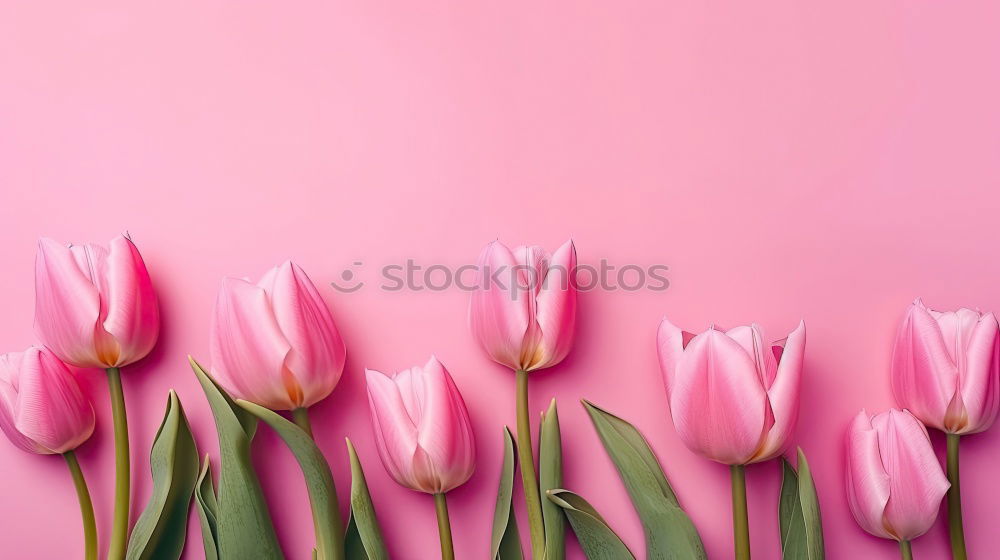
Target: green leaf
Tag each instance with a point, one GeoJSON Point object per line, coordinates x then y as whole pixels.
{"type": "Point", "coordinates": [319, 480]}
{"type": "Point", "coordinates": [506, 541]}
{"type": "Point", "coordinates": [245, 529]}
{"type": "Point", "coordinates": [596, 538]}
{"type": "Point", "coordinates": [550, 476]}
{"type": "Point", "coordinates": [798, 513]}
{"type": "Point", "coordinates": [364, 538]}
{"type": "Point", "coordinates": [670, 534]}
{"type": "Point", "coordinates": [161, 529]}
{"type": "Point", "coordinates": [208, 510]}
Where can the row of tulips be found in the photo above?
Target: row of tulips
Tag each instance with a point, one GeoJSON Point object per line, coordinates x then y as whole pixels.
{"type": "Point", "coordinates": [276, 351]}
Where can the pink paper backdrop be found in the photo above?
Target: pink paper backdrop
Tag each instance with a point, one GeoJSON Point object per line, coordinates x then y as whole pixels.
{"type": "Point", "coordinates": [785, 160]}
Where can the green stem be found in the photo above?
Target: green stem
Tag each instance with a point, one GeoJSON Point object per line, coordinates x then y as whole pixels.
{"type": "Point", "coordinates": [955, 501]}
{"type": "Point", "coordinates": [444, 527]}
{"type": "Point", "coordinates": [86, 506]}
{"type": "Point", "coordinates": [905, 550]}
{"type": "Point", "coordinates": [741, 524]}
{"type": "Point", "coordinates": [528, 478]}
{"type": "Point", "coordinates": [301, 418]}
{"type": "Point", "coordinates": [119, 527]}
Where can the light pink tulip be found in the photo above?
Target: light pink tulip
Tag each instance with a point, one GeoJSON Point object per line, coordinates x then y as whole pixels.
{"type": "Point", "coordinates": [42, 409]}
{"type": "Point", "coordinates": [733, 398]}
{"type": "Point", "coordinates": [946, 368]}
{"type": "Point", "coordinates": [894, 481]}
{"type": "Point", "coordinates": [95, 307]}
{"type": "Point", "coordinates": [523, 311]}
{"type": "Point", "coordinates": [422, 428]}
{"type": "Point", "coordinates": [274, 343]}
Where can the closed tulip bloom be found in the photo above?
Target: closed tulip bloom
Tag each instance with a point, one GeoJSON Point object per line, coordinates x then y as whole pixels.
{"type": "Point", "coordinates": [95, 307]}
{"type": "Point", "coordinates": [733, 397]}
{"type": "Point", "coordinates": [274, 343]}
{"type": "Point", "coordinates": [42, 409]}
{"type": "Point", "coordinates": [946, 368]}
{"type": "Point", "coordinates": [894, 481]}
{"type": "Point", "coordinates": [523, 311]}
{"type": "Point", "coordinates": [422, 427]}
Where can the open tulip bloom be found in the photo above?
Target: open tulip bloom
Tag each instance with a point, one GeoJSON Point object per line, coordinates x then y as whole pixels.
{"type": "Point", "coordinates": [424, 435]}
{"type": "Point", "coordinates": [95, 308]}
{"type": "Point", "coordinates": [733, 399]}
{"type": "Point", "coordinates": [43, 410]}
{"type": "Point", "coordinates": [894, 480]}
{"type": "Point", "coordinates": [523, 314]}
{"type": "Point", "coordinates": [946, 371]}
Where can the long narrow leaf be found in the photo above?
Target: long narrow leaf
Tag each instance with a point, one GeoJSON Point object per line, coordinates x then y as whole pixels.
{"type": "Point", "coordinates": [670, 534]}
{"type": "Point", "coordinates": [161, 529]}
{"type": "Point", "coordinates": [208, 510]}
{"type": "Point", "coordinates": [799, 519]}
{"type": "Point", "coordinates": [364, 538]}
{"type": "Point", "coordinates": [245, 529]}
{"type": "Point", "coordinates": [550, 476]}
{"type": "Point", "coordinates": [506, 541]}
{"type": "Point", "coordinates": [596, 538]}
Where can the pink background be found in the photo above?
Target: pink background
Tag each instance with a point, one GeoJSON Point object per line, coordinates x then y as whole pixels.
{"type": "Point", "coordinates": [785, 160]}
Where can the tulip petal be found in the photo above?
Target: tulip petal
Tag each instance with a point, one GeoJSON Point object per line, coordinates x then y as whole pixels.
{"type": "Point", "coordinates": [867, 482]}
{"type": "Point", "coordinates": [717, 403]}
{"type": "Point", "coordinates": [395, 432]}
{"type": "Point", "coordinates": [51, 409]}
{"type": "Point", "coordinates": [924, 378]}
{"type": "Point", "coordinates": [444, 429]}
{"type": "Point", "coordinates": [500, 313]}
{"type": "Point", "coordinates": [67, 305]}
{"type": "Point", "coordinates": [980, 379]}
{"type": "Point", "coordinates": [248, 348]}
{"type": "Point", "coordinates": [670, 350]}
{"type": "Point", "coordinates": [916, 483]}
{"type": "Point", "coordinates": [317, 351]}
{"type": "Point", "coordinates": [9, 366]}
{"type": "Point", "coordinates": [555, 310]}
{"type": "Point", "coordinates": [783, 394]}
{"type": "Point", "coordinates": [132, 314]}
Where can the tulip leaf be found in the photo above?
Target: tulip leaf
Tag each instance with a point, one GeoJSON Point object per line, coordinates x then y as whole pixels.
{"type": "Point", "coordinates": [670, 534]}
{"type": "Point", "coordinates": [798, 513]}
{"type": "Point", "coordinates": [208, 510]}
{"type": "Point", "coordinates": [550, 476]}
{"type": "Point", "coordinates": [364, 538]}
{"type": "Point", "coordinates": [596, 538]}
{"type": "Point", "coordinates": [319, 480]}
{"type": "Point", "coordinates": [244, 525]}
{"type": "Point", "coordinates": [161, 529]}
{"type": "Point", "coordinates": [506, 541]}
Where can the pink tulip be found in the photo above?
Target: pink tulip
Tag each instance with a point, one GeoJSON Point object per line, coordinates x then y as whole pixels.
{"type": "Point", "coordinates": [95, 307]}
{"type": "Point", "coordinates": [733, 399]}
{"type": "Point", "coordinates": [42, 409]}
{"type": "Point", "coordinates": [422, 428]}
{"type": "Point", "coordinates": [894, 480]}
{"type": "Point", "coordinates": [524, 309]}
{"type": "Point", "coordinates": [274, 343]}
{"type": "Point", "coordinates": [946, 368]}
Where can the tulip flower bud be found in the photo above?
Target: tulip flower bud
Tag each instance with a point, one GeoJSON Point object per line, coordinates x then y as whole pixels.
{"type": "Point", "coordinates": [523, 311]}
{"type": "Point", "coordinates": [274, 343]}
{"type": "Point", "coordinates": [42, 409]}
{"type": "Point", "coordinates": [733, 399]}
{"type": "Point", "coordinates": [894, 481]}
{"type": "Point", "coordinates": [95, 307]}
{"type": "Point", "coordinates": [422, 428]}
{"type": "Point", "coordinates": [946, 368]}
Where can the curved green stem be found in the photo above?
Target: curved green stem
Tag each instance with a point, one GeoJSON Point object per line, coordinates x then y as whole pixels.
{"type": "Point", "coordinates": [529, 480]}
{"type": "Point", "coordinates": [119, 527]}
{"type": "Point", "coordinates": [86, 506]}
{"type": "Point", "coordinates": [905, 550]}
{"type": "Point", "coordinates": [301, 418]}
{"type": "Point", "coordinates": [741, 524]}
{"type": "Point", "coordinates": [955, 526]}
{"type": "Point", "coordinates": [444, 527]}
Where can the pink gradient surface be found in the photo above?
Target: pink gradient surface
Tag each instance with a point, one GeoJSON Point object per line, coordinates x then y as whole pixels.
{"type": "Point", "coordinates": [785, 161]}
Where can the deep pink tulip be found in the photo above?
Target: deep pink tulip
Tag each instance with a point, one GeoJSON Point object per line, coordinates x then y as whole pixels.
{"type": "Point", "coordinates": [946, 368]}
{"type": "Point", "coordinates": [274, 343]}
{"type": "Point", "coordinates": [95, 307]}
{"type": "Point", "coordinates": [42, 409]}
{"type": "Point", "coordinates": [733, 398]}
{"type": "Point", "coordinates": [894, 481]}
{"type": "Point", "coordinates": [422, 428]}
{"type": "Point", "coordinates": [523, 311]}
